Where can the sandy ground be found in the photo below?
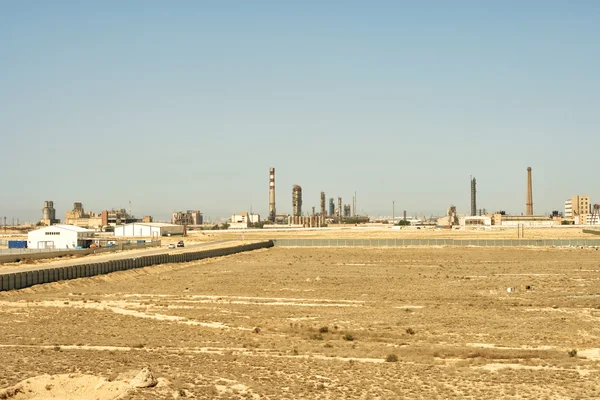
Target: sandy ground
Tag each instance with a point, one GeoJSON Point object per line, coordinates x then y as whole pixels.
{"type": "Point", "coordinates": [321, 323]}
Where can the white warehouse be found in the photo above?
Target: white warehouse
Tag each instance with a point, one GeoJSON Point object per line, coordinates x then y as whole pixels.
{"type": "Point", "coordinates": [153, 229]}
{"type": "Point", "coordinates": [60, 237]}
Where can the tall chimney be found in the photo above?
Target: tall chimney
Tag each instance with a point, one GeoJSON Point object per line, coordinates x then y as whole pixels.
{"type": "Point", "coordinates": [272, 194]}
{"type": "Point", "coordinates": [529, 204]}
{"type": "Point", "coordinates": [473, 197]}
{"type": "Point", "coordinates": [323, 212]}
{"type": "Point", "coordinates": [340, 210]}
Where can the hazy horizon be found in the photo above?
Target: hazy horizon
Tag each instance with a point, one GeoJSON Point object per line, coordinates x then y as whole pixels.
{"type": "Point", "coordinates": [186, 106]}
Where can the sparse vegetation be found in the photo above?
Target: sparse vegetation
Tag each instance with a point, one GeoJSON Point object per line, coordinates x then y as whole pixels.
{"type": "Point", "coordinates": [369, 293]}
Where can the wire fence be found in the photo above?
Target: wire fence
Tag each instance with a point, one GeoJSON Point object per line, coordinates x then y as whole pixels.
{"type": "Point", "coordinates": [436, 242]}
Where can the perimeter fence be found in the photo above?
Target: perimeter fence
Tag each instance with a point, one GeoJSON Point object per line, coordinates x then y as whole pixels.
{"type": "Point", "coordinates": [436, 242]}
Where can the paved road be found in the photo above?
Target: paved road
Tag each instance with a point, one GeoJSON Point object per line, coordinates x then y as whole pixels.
{"type": "Point", "coordinates": [113, 256]}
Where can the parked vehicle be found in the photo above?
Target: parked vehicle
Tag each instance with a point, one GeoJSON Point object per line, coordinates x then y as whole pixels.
{"type": "Point", "coordinates": [171, 245]}
{"type": "Point", "coordinates": [180, 243]}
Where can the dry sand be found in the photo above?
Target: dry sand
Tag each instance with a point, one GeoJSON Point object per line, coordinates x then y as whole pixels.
{"type": "Point", "coordinates": [320, 323]}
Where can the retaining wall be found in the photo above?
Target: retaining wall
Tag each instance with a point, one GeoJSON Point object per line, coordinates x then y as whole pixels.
{"type": "Point", "coordinates": [435, 242]}
{"type": "Point", "coordinates": [20, 280]}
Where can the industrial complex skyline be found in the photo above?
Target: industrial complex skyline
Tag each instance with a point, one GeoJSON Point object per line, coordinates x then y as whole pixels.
{"type": "Point", "coordinates": [186, 107]}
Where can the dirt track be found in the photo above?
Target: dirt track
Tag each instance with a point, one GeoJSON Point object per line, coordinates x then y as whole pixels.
{"type": "Point", "coordinates": [253, 325]}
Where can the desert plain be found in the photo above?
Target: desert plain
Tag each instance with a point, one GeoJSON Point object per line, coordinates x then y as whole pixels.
{"type": "Point", "coordinates": [318, 323]}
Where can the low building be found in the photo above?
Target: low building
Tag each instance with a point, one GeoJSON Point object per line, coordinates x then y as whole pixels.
{"type": "Point", "coordinates": [587, 219]}
{"type": "Point", "coordinates": [475, 221]}
{"type": "Point", "coordinates": [154, 229]}
{"type": "Point", "coordinates": [526, 220]}
{"type": "Point", "coordinates": [60, 237]}
{"type": "Point", "coordinates": [241, 221]}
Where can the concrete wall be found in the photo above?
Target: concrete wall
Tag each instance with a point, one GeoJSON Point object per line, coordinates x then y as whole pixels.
{"type": "Point", "coordinates": [20, 280]}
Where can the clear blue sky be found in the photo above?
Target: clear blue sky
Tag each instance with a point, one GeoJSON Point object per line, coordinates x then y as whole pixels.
{"type": "Point", "coordinates": [185, 105]}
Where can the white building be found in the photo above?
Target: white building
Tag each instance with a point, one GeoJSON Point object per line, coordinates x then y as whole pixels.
{"type": "Point", "coordinates": [60, 237]}
{"type": "Point", "coordinates": [148, 229]}
{"type": "Point", "coordinates": [241, 221]}
{"type": "Point", "coordinates": [587, 219]}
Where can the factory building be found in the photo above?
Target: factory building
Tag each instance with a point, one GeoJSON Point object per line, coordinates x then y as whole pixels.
{"type": "Point", "coordinates": [60, 237]}
{"type": "Point", "coordinates": [78, 217]}
{"type": "Point", "coordinates": [154, 229]}
{"type": "Point", "coordinates": [116, 217]}
{"type": "Point", "coordinates": [49, 214]}
{"type": "Point", "coordinates": [189, 217]}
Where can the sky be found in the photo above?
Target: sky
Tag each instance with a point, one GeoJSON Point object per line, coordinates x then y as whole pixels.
{"type": "Point", "coordinates": [186, 104]}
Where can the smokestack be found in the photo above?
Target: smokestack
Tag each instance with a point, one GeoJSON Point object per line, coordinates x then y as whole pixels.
{"type": "Point", "coordinates": [323, 212]}
{"type": "Point", "coordinates": [473, 197]}
{"type": "Point", "coordinates": [529, 204]}
{"type": "Point", "coordinates": [272, 194]}
{"type": "Point", "coordinates": [340, 210]}
{"type": "Point", "coordinates": [404, 215]}
{"type": "Point", "coordinates": [354, 205]}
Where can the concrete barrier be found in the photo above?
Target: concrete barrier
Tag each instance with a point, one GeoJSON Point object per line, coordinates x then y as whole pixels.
{"type": "Point", "coordinates": [24, 279]}
{"type": "Point", "coordinates": [18, 280]}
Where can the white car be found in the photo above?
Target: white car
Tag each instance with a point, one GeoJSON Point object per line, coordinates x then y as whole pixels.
{"type": "Point", "coordinates": [171, 245]}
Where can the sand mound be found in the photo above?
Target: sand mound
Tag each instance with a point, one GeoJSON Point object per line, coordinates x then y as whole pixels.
{"type": "Point", "coordinates": [76, 387]}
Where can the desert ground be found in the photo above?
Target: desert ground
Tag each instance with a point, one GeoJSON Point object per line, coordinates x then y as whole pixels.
{"type": "Point", "coordinates": [325, 323]}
